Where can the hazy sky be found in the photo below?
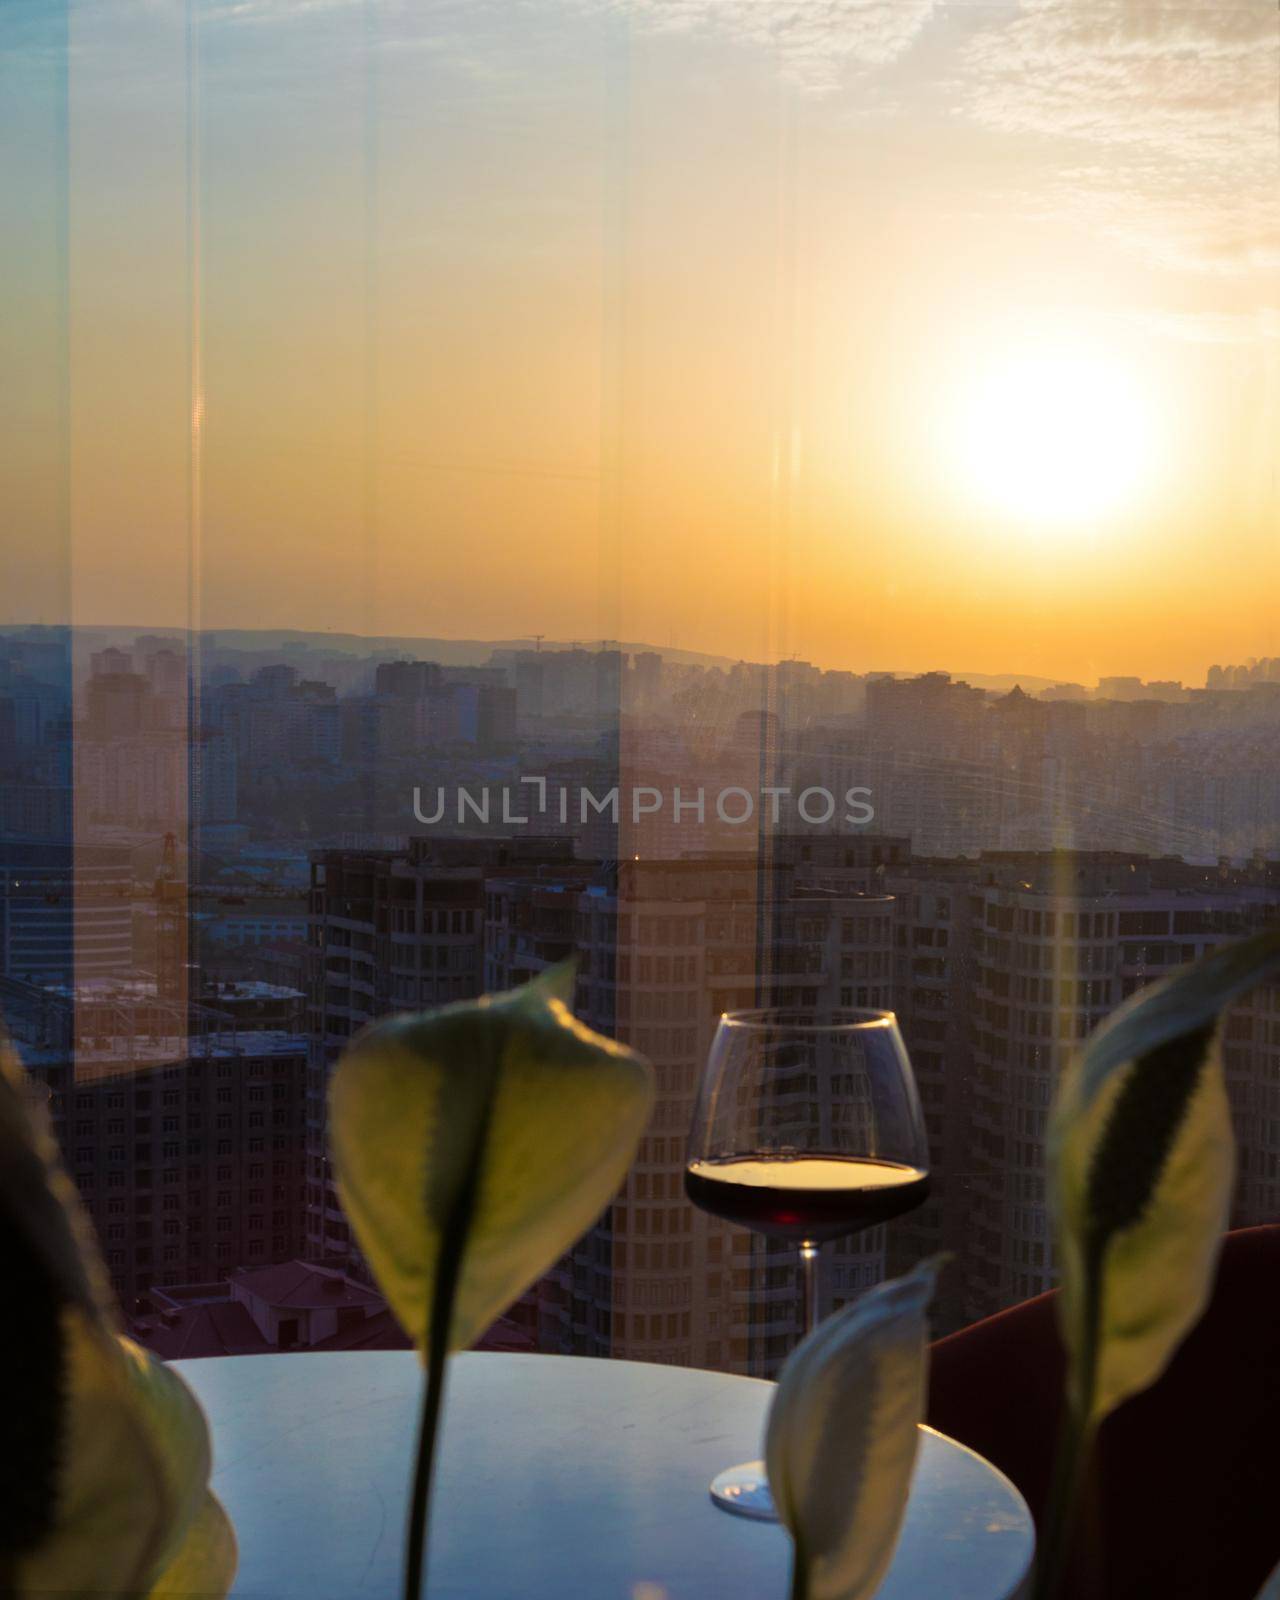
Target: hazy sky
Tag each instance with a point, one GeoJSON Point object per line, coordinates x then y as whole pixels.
{"type": "Point", "coordinates": [889, 333]}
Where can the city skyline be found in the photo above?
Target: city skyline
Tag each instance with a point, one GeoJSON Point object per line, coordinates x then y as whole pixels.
{"type": "Point", "coordinates": [296, 741]}
{"type": "Point", "coordinates": [205, 895]}
{"type": "Point", "coordinates": [289, 638]}
{"type": "Point", "coordinates": [638, 636]}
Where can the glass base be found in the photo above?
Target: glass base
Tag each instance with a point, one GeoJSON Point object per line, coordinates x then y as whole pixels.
{"type": "Point", "coordinates": [744, 1490]}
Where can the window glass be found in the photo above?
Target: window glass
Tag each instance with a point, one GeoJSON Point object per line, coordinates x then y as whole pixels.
{"type": "Point", "coordinates": [776, 502]}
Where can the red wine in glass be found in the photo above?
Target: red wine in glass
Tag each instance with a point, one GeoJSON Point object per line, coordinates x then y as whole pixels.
{"type": "Point", "coordinates": [814, 1197]}
{"type": "Point", "coordinates": [807, 1127]}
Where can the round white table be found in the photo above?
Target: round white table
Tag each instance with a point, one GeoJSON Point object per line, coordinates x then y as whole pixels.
{"type": "Point", "coordinates": [557, 1477]}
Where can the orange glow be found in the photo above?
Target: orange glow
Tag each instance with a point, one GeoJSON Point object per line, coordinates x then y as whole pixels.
{"type": "Point", "coordinates": [827, 362]}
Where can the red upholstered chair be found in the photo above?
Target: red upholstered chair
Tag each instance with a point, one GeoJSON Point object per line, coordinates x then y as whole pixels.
{"type": "Point", "coordinates": [1184, 1496]}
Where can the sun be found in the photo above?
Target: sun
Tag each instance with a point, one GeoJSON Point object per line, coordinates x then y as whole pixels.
{"type": "Point", "coordinates": [1054, 436]}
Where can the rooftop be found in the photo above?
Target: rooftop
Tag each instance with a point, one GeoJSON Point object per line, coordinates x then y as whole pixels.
{"type": "Point", "coordinates": [216, 1319]}
{"type": "Point", "coordinates": [300, 1285]}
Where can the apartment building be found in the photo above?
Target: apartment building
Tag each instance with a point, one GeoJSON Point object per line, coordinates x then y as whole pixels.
{"type": "Point", "coordinates": [664, 947]}
{"type": "Point", "coordinates": [390, 931]}
{"type": "Point", "coordinates": [998, 968]}
{"type": "Point", "coordinates": [186, 1146]}
{"type": "Point", "coordinates": [1059, 941]}
{"type": "Point", "coordinates": [65, 910]}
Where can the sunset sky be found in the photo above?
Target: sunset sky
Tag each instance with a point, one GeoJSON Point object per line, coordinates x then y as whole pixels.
{"type": "Point", "coordinates": [888, 333]}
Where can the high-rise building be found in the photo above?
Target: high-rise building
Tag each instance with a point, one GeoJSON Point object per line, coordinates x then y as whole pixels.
{"type": "Point", "coordinates": [65, 911]}
{"type": "Point", "coordinates": [183, 1132]}
{"type": "Point", "coordinates": [406, 680]}
{"type": "Point", "coordinates": [390, 931]}
{"type": "Point", "coordinates": [1059, 941]}
{"type": "Point", "coordinates": [117, 705]}
{"type": "Point", "coordinates": [929, 713]}
{"type": "Point", "coordinates": [997, 967]}
{"type": "Point", "coordinates": [663, 949]}
{"type": "Point", "coordinates": [933, 987]}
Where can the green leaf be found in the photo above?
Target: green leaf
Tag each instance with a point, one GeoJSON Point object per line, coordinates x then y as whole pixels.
{"type": "Point", "coordinates": [39, 1204]}
{"type": "Point", "coordinates": [840, 1443]}
{"type": "Point", "coordinates": [473, 1145]}
{"type": "Point", "coordinates": [555, 983]}
{"type": "Point", "coordinates": [205, 1562]}
{"type": "Point", "coordinates": [1141, 1164]}
{"type": "Point", "coordinates": [52, 1263]}
{"type": "Point", "coordinates": [116, 1507]}
{"type": "Point", "coordinates": [177, 1435]}
{"type": "Point", "coordinates": [114, 1443]}
{"type": "Point", "coordinates": [502, 1122]}
{"type": "Point", "coordinates": [132, 1505]}
{"type": "Point", "coordinates": [1179, 1004]}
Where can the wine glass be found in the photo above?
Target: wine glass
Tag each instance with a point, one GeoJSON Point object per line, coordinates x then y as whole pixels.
{"type": "Point", "coordinates": [807, 1127]}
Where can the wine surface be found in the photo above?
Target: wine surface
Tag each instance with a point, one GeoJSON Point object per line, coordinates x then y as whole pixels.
{"type": "Point", "coordinates": [812, 1197]}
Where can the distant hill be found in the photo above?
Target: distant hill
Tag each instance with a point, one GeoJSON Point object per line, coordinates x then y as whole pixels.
{"type": "Point", "coordinates": [449, 652]}
{"type": "Point", "coordinates": [463, 652]}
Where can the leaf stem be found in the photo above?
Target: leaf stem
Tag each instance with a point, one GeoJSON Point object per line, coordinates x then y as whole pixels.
{"type": "Point", "coordinates": [799, 1573]}
{"type": "Point", "coordinates": [453, 1244]}
{"type": "Point", "coordinates": [1075, 1443]}
{"type": "Point", "coordinates": [420, 1503]}
{"type": "Point", "coordinates": [1064, 1497]}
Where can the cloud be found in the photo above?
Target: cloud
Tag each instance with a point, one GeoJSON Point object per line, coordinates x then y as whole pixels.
{"type": "Point", "coordinates": [817, 43]}
{"type": "Point", "coordinates": [1192, 82]}
{"type": "Point", "coordinates": [1177, 103]}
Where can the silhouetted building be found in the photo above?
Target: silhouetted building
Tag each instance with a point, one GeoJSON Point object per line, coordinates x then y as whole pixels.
{"type": "Point", "coordinates": [391, 932]}
{"type": "Point", "coordinates": [189, 1165]}
{"type": "Point", "coordinates": [293, 1305]}
{"type": "Point", "coordinates": [65, 911]}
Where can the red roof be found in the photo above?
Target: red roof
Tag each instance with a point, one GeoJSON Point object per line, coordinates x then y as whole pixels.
{"type": "Point", "coordinates": [226, 1329]}
{"type": "Point", "coordinates": [222, 1328]}
{"type": "Point", "coordinates": [204, 1320]}
{"type": "Point", "coordinates": [304, 1287]}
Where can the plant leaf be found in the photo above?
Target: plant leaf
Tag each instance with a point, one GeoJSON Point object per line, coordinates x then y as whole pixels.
{"type": "Point", "coordinates": [1141, 1164]}
{"type": "Point", "coordinates": [177, 1435]}
{"type": "Point", "coordinates": [840, 1443]}
{"type": "Point", "coordinates": [205, 1563]}
{"type": "Point", "coordinates": [52, 1262]}
{"type": "Point", "coordinates": [505, 1109]}
{"type": "Point", "coordinates": [555, 983]}
{"type": "Point", "coordinates": [38, 1201]}
{"type": "Point", "coordinates": [116, 1441]}
{"type": "Point", "coordinates": [133, 1488]}
{"type": "Point", "coordinates": [1184, 1001]}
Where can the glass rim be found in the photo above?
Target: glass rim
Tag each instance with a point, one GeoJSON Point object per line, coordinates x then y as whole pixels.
{"type": "Point", "coordinates": [795, 1019]}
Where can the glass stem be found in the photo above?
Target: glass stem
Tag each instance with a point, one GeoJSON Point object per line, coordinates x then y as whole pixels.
{"type": "Point", "coordinates": [809, 1267]}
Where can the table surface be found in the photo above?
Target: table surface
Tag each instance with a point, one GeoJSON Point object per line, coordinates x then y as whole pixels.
{"type": "Point", "coordinates": [556, 1476]}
